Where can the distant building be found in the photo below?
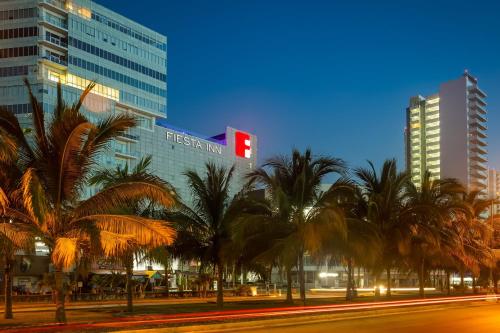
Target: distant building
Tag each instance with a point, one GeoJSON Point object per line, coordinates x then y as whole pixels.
{"type": "Point", "coordinates": [494, 188]}
{"type": "Point", "coordinates": [446, 134]}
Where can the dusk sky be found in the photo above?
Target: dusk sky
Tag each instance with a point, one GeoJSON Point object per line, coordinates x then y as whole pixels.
{"type": "Point", "coordinates": [330, 75]}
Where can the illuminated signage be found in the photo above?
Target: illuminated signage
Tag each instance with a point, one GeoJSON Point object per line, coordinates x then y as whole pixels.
{"type": "Point", "coordinates": [242, 145]}
{"type": "Point", "coordinates": [194, 142]}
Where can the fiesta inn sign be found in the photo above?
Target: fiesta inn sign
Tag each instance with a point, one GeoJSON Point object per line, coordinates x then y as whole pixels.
{"type": "Point", "coordinates": [242, 143]}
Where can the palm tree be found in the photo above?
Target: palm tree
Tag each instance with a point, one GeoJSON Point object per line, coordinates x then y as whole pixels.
{"type": "Point", "coordinates": [384, 193]}
{"type": "Point", "coordinates": [143, 207]}
{"type": "Point", "coordinates": [55, 169]}
{"type": "Point", "coordinates": [204, 226]}
{"type": "Point", "coordinates": [263, 233]}
{"type": "Point", "coordinates": [430, 209]}
{"type": "Point", "coordinates": [362, 245]}
{"type": "Point", "coordinates": [476, 233]}
{"type": "Point", "coordinates": [293, 183]}
{"type": "Point", "coordinates": [10, 176]}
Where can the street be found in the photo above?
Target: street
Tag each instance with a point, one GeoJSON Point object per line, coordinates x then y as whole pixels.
{"type": "Point", "coordinates": [476, 318]}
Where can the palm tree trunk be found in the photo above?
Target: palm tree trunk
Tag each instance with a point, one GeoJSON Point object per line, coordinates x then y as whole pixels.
{"type": "Point", "coordinates": [448, 284]}
{"type": "Point", "coordinates": [289, 297]}
{"type": "Point", "coordinates": [421, 277]}
{"type": "Point", "coordinates": [167, 279]}
{"type": "Point", "coordinates": [462, 283]}
{"type": "Point", "coordinates": [129, 272]}
{"type": "Point", "coordinates": [302, 280]}
{"type": "Point", "coordinates": [388, 292]}
{"type": "Point", "coordinates": [220, 286]}
{"type": "Point", "coordinates": [474, 291]}
{"type": "Point", "coordinates": [60, 297]}
{"type": "Point", "coordinates": [349, 293]}
{"type": "Point", "coordinates": [8, 288]}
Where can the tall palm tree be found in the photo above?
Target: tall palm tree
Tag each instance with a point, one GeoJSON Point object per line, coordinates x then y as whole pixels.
{"type": "Point", "coordinates": [477, 232]}
{"type": "Point", "coordinates": [430, 209]}
{"type": "Point", "coordinates": [294, 183]}
{"type": "Point", "coordinates": [362, 245]}
{"type": "Point", "coordinates": [263, 233]}
{"type": "Point", "coordinates": [384, 193]}
{"type": "Point", "coordinates": [204, 225]}
{"type": "Point", "coordinates": [10, 177]}
{"type": "Point", "coordinates": [143, 207]}
{"type": "Point", "coordinates": [56, 163]}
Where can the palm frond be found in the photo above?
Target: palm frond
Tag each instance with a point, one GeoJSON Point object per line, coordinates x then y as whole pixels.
{"type": "Point", "coordinates": [65, 252]}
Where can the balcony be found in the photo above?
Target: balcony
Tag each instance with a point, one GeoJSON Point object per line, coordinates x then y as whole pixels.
{"type": "Point", "coordinates": [129, 137]}
{"type": "Point", "coordinates": [479, 108]}
{"type": "Point", "coordinates": [474, 98]}
{"type": "Point", "coordinates": [478, 149]}
{"type": "Point", "coordinates": [477, 126]}
{"type": "Point", "coordinates": [477, 140]}
{"type": "Point", "coordinates": [477, 157]}
{"type": "Point", "coordinates": [475, 165]}
{"type": "Point", "coordinates": [54, 23]}
{"type": "Point", "coordinates": [478, 174]}
{"type": "Point", "coordinates": [54, 60]}
{"type": "Point", "coordinates": [476, 116]}
{"type": "Point", "coordinates": [55, 43]}
{"type": "Point", "coordinates": [56, 6]}
{"type": "Point", "coordinates": [123, 153]}
{"type": "Point", "coordinates": [475, 89]}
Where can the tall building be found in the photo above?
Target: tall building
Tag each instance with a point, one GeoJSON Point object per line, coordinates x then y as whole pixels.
{"type": "Point", "coordinates": [78, 41]}
{"type": "Point", "coordinates": [446, 134]}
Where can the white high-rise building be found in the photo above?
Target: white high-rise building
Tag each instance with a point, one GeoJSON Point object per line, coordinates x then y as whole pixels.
{"type": "Point", "coordinates": [446, 134]}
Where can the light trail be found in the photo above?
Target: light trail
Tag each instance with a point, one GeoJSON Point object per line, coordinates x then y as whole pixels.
{"type": "Point", "coordinates": [215, 316]}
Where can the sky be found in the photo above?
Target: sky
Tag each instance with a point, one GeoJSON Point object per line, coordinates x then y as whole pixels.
{"type": "Point", "coordinates": [334, 76]}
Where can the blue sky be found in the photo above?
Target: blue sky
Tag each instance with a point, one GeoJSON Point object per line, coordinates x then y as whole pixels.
{"type": "Point", "coordinates": [335, 76]}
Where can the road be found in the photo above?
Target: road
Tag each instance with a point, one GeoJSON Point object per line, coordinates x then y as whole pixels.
{"type": "Point", "coordinates": [476, 318]}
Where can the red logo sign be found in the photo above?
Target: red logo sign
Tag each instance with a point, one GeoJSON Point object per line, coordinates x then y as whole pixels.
{"type": "Point", "coordinates": [243, 145]}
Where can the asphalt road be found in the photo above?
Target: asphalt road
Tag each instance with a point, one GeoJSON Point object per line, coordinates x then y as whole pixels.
{"type": "Point", "coordinates": [477, 318]}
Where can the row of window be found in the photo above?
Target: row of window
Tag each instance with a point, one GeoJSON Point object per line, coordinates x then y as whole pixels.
{"type": "Point", "coordinates": [19, 32]}
{"type": "Point", "coordinates": [14, 71]}
{"type": "Point", "coordinates": [13, 91]}
{"type": "Point", "coordinates": [100, 36]}
{"type": "Point", "coordinates": [117, 76]}
{"type": "Point", "coordinates": [23, 51]}
{"type": "Point", "coordinates": [18, 108]}
{"type": "Point", "coordinates": [16, 14]}
{"type": "Point", "coordinates": [126, 30]}
{"type": "Point", "coordinates": [116, 59]}
{"type": "Point", "coordinates": [142, 102]}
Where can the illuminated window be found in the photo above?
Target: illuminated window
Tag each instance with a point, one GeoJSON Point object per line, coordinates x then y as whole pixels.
{"type": "Point", "coordinates": [432, 101]}
{"type": "Point", "coordinates": [433, 155]}
{"type": "Point", "coordinates": [81, 83]}
{"type": "Point", "coordinates": [432, 116]}
{"type": "Point", "coordinates": [435, 131]}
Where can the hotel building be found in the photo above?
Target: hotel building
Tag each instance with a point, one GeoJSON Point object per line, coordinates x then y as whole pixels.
{"type": "Point", "coordinates": [78, 41]}
{"type": "Point", "coordinates": [446, 134]}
